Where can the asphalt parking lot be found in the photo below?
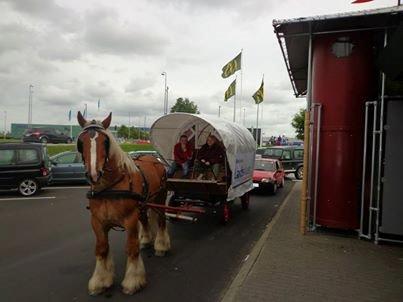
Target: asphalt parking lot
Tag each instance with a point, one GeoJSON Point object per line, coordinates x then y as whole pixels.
{"type": "Point", "coordinates": [47, 249]}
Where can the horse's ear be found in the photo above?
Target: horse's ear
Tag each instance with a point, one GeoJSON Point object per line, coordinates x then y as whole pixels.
{"type": "Point", "coordinates": [107, 122]}
{"type": "Point", "coordinates": [81, 120]}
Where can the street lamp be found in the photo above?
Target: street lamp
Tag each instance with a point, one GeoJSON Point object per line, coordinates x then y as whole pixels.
{"type": "Point", "coordinates": [30, 106]}
{"type": "Point", "coordinates": [219, 110]}
{"type": "Point", "coordinates": [164, 74]}
{"type": "Point", "coordinates": [5, 124]}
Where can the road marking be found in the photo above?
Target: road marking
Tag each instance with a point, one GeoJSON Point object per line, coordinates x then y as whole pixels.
{"type": "Point", "coordinates": [27, 198]}
{"type": "Point", "coordinates": [61, 188]}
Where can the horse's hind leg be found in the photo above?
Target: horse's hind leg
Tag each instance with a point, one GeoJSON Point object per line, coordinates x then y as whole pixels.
{"type": "Point", "coordinates": [135, 276]}
{"type": "Point", "coordinates": [162, 243]}
{"type": "Point", "coordinates": [102, 278]}
{"type": "Point", "coordinates": [145, 236]}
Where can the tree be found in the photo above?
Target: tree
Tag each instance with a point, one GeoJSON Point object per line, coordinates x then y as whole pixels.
{"type": "Point", "coordinates": [185, 105]}
{"type": "Point", "coordinates": [298, 122]}
{"type": "Point", "coordinates": [123, 131]}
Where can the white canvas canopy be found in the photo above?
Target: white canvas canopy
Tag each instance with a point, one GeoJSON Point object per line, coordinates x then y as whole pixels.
{"type": "Point", "coordinates": [238, 141]}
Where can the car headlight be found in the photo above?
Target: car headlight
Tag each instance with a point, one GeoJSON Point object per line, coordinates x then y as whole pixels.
{"type": "Point", "coordinates": [266, 180]}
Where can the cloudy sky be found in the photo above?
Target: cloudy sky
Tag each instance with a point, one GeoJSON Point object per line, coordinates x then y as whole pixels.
{"type": "Point", "coordinates": [76, 52]}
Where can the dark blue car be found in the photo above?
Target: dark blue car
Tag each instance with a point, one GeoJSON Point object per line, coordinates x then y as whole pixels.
{"type": "Point", "coordinates": [68, 167]}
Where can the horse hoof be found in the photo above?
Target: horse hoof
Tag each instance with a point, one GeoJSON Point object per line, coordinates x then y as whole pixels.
{"type": "Point", "coordinates": [97, 291]}
{"type": "Point", "coordinates": [160, 253]}
{"type": "Point", "coordinates": [132, 290]}
{"type": "Point", "coordinates": [144, 246]}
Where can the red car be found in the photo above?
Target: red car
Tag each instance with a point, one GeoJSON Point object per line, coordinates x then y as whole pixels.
{"type": "Point", "coordinates": [268, 175]}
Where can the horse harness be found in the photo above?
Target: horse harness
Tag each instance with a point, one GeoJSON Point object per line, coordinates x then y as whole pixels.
{"type": "Point", "coordinates": [142, 197]}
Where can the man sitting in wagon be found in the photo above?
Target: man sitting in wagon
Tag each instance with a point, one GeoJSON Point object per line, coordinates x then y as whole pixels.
{"type": "Point", "coordinates": [183, 153]}
{"type": "Point", "coordinates": [209, 158]}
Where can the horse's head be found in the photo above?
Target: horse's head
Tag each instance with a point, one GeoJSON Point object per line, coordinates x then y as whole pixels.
{"type": "Point", "coordinates": [93, 144]}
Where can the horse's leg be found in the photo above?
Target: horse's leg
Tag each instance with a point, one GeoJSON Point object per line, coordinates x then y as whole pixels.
{"type": "Point", "coordinates": [135, 276]}
{"type": "Point", "coordinates": [102, 278]}
{"type": "Point", "coordinates": [162, 242]}
{"type": "Point", "coordinates": [145, 235]}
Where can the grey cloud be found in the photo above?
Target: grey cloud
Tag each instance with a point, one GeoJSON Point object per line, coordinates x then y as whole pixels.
{"type": "Point", "coordinates": [138, 84]}
{"type": "Point", "coordinates": [47, 10]}
{"type": "Point", "coordinates": [101, 90]}
{"type": "Point", "coordinates": [57, 47]}
{"type": "Point", "coordinates": [14, 36]}
{"type": "Point", "coordinates": [248, 8]}
{"type": "Point", "coordinates": [105, 33]}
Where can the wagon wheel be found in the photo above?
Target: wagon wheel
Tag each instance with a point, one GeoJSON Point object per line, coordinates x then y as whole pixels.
{"type": "Point", "coordinates": [245, 201]}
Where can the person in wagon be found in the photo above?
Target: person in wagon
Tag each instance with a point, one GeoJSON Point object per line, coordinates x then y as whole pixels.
{"type": "Point", "coordinates": [183, 153]}
{"type": "Point", "coordinates": [209, 157]}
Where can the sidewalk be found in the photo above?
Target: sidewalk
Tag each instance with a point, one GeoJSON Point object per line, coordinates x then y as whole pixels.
{"type": "Point", "coordinates": [286, 266]}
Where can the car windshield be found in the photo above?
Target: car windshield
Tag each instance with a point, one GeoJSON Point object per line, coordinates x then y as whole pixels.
{"type": "Point", "coordinates": [264, 165]}
{"type": "Point", "coordinates": [273, 152]}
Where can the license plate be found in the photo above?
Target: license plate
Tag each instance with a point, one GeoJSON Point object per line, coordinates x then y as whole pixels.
{"type": "Point", "coordinates": [255, 185]}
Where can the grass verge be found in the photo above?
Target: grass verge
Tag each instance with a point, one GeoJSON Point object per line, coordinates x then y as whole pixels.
{"type": "Point", "coordinates": [55, 149]}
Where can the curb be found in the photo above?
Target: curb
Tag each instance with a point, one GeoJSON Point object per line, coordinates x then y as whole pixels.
{"type": "Point", "coordinates": [248, 265]}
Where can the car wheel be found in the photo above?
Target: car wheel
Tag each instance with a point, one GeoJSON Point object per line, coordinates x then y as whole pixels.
{"type": "Point", "coordinates": [69, 141]}
{"type": "Point", "coordinates": [281, 185]}
{"type": "Point", "coordinates": [44, 140]}
{"type": "Point", "coordinates": [299, 173]}
{"type": "Point", "coordinates": [28, 187]}
{"type": "Point", "coordinates": [274, 189]}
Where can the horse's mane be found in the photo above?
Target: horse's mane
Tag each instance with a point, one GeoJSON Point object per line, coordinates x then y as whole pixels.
{"type": "Point", "coordinates": [123, 160]}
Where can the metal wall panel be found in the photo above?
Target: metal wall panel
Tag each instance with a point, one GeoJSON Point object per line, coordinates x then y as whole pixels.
{"type": "Point", "coordinates": [392, 197]}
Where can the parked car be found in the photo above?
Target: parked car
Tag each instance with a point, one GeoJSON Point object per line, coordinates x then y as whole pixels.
{"type": "Point", "coordinates": [24, 167]}
{"type": "Point", "coordinates": [68, 167]}
{"type": "Point", "coordinates": [291, 157]}
{"type": "Point", "coordinates": [268, 175]}
{"type": "Point", "coordinates": [46, 135]}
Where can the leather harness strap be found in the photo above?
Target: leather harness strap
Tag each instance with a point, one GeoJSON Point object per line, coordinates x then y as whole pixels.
{"type": "Point", "coordinates": [108, 192]}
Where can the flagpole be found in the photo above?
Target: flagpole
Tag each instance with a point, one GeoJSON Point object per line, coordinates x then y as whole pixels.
{"type": "Point", "coordinates": [257, 124]}
{"type": "Point", "coordinates": [241, 92]}
{"type": "Point", "coordinates": [233, 119]}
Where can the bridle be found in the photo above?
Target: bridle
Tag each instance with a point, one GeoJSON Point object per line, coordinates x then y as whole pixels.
{"type": "Point", "coordinates": [93, 126]}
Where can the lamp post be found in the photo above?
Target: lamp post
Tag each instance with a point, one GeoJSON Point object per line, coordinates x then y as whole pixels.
{"type": "Point", "coordinates": [5, 124]}
{"type": "Point", "coordinates": [129, 125]}
{"type": "Point", "coordinates": [31, 91]}
{"type": "Point", "coordinates": [219, 111]}
{"type": "Point", "coordinates": [164, 74]}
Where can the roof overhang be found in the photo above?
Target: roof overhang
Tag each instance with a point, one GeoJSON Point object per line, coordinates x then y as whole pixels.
{"type": "Point", "coordinates": [294, 34]}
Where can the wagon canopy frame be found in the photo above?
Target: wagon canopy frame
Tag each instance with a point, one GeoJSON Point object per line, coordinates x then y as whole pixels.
{"type": "Point", "coordinates": [240, 146]}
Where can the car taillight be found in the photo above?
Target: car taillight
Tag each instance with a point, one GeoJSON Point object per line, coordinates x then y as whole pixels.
{"type": "Point", "coordinates": [44, 171]}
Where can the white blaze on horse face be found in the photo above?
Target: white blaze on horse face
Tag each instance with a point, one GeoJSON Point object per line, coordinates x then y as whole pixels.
{"type": "Point", "coordinates": [93, 160]}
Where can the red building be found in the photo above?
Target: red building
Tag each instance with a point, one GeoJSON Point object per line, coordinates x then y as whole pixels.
{"type": "Point", "coordinates": [350, 69]}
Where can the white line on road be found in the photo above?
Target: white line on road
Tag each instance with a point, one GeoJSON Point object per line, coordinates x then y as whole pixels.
{"type": "Point", "coordinates": [61, 188]}
{"type": "Point", "coordinates": [27, 198]}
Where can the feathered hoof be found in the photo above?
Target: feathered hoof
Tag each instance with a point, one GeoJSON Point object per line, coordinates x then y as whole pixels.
{"type": "Point", "coordinates": [145, 246]}
{"type": "Point", "coordinates": [95, 291]}
{"type": "Point", "coordinates": [133, 288]}
{"type": "Point", "coordinates": [160, 253]}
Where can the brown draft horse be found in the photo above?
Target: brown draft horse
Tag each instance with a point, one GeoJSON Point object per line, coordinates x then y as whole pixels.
{"type": "Point", "coordinates": [119, 189]}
